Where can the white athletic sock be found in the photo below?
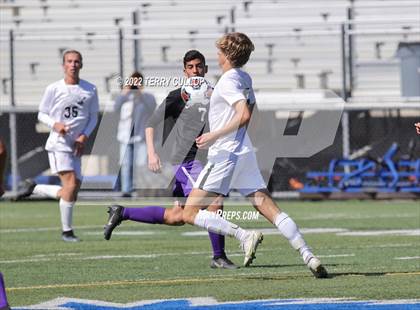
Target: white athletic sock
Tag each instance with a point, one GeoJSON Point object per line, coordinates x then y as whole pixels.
{"type": "Point", "coordinates": [211, 221]}
{"type": "Point", "coordinates": [66, 211]}
{"type": "Point", "coordinates": [49, 191]}
{"type": "Point", "coordinates": [289, 229]}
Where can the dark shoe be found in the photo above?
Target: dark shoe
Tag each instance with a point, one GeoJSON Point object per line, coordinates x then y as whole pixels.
{"type": "Point", "coordinates": [316, 268]}
{"type": "Point", "coordinates": [25, 189]}
{"type": "Point", "coordinates": [68, 236]}
{"type": "Point", "coordinates": [222, 263]}
{"type": "Point", "coordinates": [114, 219]}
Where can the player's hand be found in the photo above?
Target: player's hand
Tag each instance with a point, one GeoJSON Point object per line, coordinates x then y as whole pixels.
{"type": "Point", "coordinates": [154, 163]}
{"type": "Point", "coordinates": [61, 128]}
{"type": "Point", "coordinates": [205, 140]}
{"type": "Point", "coordinates": [79, 145]}
{"type": "Point", "coordinates": [417, 127]}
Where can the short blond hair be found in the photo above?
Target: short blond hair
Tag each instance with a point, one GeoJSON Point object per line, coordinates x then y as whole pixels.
{"type": "Point", "coordinates": [237, 48]}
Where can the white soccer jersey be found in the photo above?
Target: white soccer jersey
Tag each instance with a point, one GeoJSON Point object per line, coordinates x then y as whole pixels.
{"type": "Point", "coordinates": [233, 85]}
{"type": "Point", "coordinates": [74, 105]}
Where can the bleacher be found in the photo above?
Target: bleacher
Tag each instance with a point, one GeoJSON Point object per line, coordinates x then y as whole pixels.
{"type": "Point", "coordinates": [297, 43]}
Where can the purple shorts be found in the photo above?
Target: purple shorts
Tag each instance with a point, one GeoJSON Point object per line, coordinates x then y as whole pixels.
{"type": "Point", "coordinates": [185, 176]}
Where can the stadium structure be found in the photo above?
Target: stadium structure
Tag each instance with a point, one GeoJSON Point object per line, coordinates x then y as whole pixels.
{"type": "Point", "coordinates": [365, 52]}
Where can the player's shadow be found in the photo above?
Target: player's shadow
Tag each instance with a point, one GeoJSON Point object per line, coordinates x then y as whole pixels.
{"type": "Point", "coordinates": [366, 274]}
{"type": "Point", "coordinates": [288, 265]}
{"type": "Point", "coordinates": [275, 266]}
{"type": "Point", "coordinates": [331, 275]}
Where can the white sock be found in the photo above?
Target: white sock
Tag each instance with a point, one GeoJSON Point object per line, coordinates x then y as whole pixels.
{"type": "Point", "coordinates": [289, 229]}
{"type": "Point", "coordinates": [49, 191]}
{"type": "Point", "coordinates": [66, 211]}
{"type": "Point", "coordinates": [211, 221]}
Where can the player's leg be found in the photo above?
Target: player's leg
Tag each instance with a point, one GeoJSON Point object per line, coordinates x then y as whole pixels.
{"type": "Point", "coordinates": [126, 162]}
{"type": "Point", "coordinates": [151, 214]}
{"type": "Point", "coordinates": [195, 214]}
{"type": "Point", "coordinates": [211, 185]}
{"type": "Point", "coordinates": [3, 156]}
{"type": "Point", "coordinates": [220, 259]}
{"type": "Point", "coordinates": [68, 193]}
{"type": "Point", "coordinates": [249, 178]}
{"type": "Point", "coordinates": [186, 175]}
{"type": "Point", "coordinates": [68, 168]}
{"type": "Point", "coordinates": [148, 214]}
{"type": "Point", "coordinates": [29, 187]}
{"type": "Point", "coordinates": [263, 202]}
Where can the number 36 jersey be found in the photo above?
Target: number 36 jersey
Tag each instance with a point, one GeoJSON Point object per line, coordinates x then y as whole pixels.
{"type": "Point", "coordinates": [76, 106]}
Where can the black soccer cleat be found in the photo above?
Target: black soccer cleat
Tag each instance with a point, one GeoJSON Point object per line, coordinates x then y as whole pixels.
{"type": "Point", "coordinates": [25, 189]}
{"type": "Point", "coordinates": [222, 262]}
{"type": "Point", "coordinates": [115, 218]}
{"type": "Point", "coordinates": [68, 236]}
{"type": "Point", "coordinates": [317, 269]}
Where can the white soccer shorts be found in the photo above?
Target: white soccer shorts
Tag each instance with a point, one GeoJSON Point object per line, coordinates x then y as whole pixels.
{"type": "Point", "coordinates": [65, 161]}
{"type": "Point", "coordinates": [236, 172]}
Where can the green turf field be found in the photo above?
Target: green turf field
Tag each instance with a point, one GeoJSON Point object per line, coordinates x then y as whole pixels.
{"type": "Point", "coordinates": [372, 251]}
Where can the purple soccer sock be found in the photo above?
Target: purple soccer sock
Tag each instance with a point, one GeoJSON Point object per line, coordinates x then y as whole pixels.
{"type": "Point", "coordinates": [151, 215]}
{"type": "Point", "coordinates": [3, 298]}
{"type": "Point", "coordinates": [218, 244]}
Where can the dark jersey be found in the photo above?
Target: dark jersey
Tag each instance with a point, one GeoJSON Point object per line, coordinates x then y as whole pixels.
{"type": "Point", "coordinates": [182, 125]}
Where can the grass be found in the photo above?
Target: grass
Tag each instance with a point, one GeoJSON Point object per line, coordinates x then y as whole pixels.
{"type": "Point", "coordinates": [163, 263]}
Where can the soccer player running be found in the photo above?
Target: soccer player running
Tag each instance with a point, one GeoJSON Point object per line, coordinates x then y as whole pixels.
{"type": "Point", "coordinates": [69, 108]}
{"type": "Point", "coordinates": [232, 162]}
{"type": "Point", "coordinates": [184, 124]}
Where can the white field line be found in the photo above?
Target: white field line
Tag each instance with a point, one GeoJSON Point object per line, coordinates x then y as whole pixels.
{"type": "Point", "coordinates": [39, 258]}
{"type": "Point", "coordinates": [274, 231]}
{"type": "Point", "coordinates": [57, 254]}
{"type": "Point", "coordinates": [346, 216]}
{"type": "Point", "coordinates": [266, 231]}
{"type": "Point", "coordinates": [79, 256]}
{"type": "Point", "coordinates": [156, 202]}
{"type": "Point", "coordinates": [72, 256]}
{"type": "Point", "coordinates": [407, 257]}
{"type": "Point", "coordinates": [395, 232]}
{"type": "Point", "coordinates": [393, 245]}
{"type": "Point", "coordinates": [127, 233]}
{"type": "Point", "coordinates": [40, 229]}
{"type": "Point", "coordinates": [336, 255]}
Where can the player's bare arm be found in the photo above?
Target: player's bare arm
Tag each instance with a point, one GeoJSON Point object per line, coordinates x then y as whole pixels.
{"type": "Point", "coordinates": [79, 145]}
{"type": "Point", "coordinates": [241, 118]}
{"type": "Point", "coordinates": [153, 159]}
{"type": "Point", "coordinates": [61, 128]}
